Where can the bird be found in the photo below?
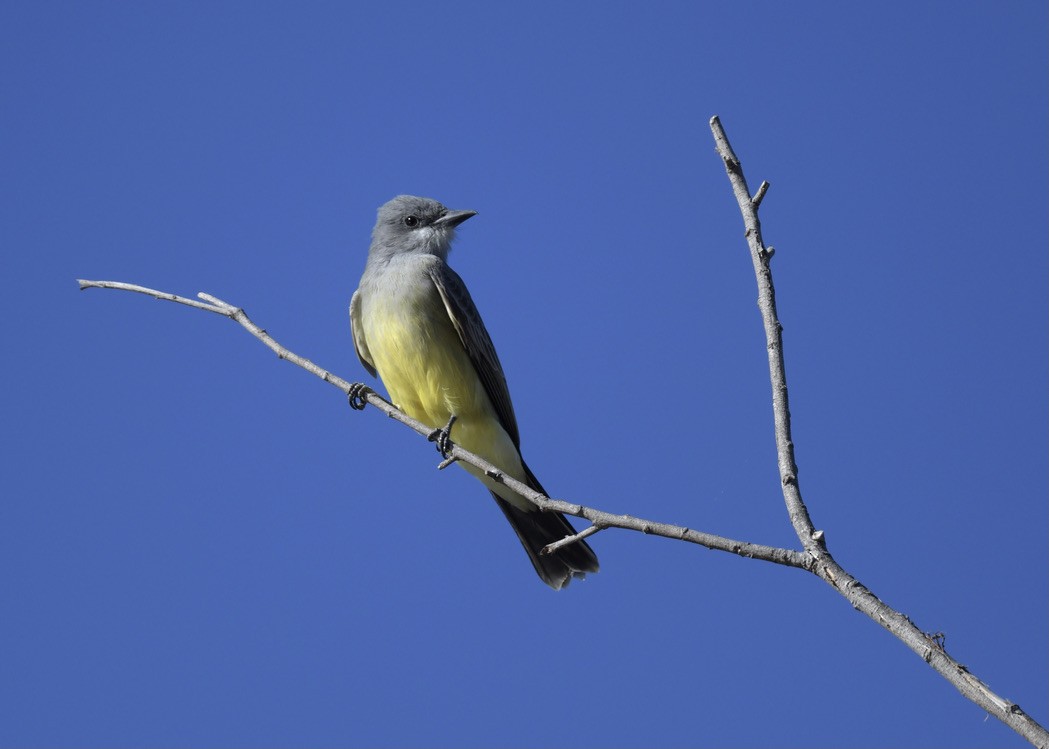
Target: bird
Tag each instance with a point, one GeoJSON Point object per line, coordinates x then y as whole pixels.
{"type": "Point", "coordinates": [416, 327]}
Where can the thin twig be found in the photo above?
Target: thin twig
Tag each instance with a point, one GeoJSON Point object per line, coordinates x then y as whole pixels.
{"type": "Point", "coordinates": [788, 469]}
{"type": "Point", "coordinates": [588, 531]}
{"type": "Point", "coordinates": [928, 647]}
{"type": "Point", "coordinates": [225, 311]}
{"type": "Point", "coordinates": [760, 195]}
{"type": "Point", "coordinates": [786, 557]}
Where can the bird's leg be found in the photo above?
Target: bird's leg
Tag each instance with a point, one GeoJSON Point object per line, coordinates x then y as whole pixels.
{"type": "Point", "coordinates": [356, 395]}
{"type": "Point", "coordinates": [443, 436]}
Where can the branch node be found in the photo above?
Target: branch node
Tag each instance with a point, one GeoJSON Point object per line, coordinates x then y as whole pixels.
{"type": "Point", "coordinates": [939, 640]}
{"type": "Point", "coordinates": [760, 195]}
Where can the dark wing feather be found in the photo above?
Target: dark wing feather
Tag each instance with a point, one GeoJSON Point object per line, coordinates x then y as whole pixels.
{"type": "Point", "coordinates": [478, 344]}
{"type": "Point", "coordinates": [360, 345]}
{"type": "Point", "coordinates": [534, 529]}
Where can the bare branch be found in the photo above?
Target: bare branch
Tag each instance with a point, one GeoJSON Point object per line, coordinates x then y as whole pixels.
{"type": "Point", "coordinates": [815, 558]}
{"type": "Point", "coordinates": [929, 647]}
{"type": "Point", "coordinates": [220, 310]}
{"type": "Point", "coordinates": [588, 531]}
{"type": "Point", "coordinates": [788, 469]}
{"type": "Point", "coordinates": [786, 557]}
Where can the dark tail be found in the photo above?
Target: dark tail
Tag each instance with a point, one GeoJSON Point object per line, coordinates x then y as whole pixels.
{"type": "Point", "coordinates": [536, 529]}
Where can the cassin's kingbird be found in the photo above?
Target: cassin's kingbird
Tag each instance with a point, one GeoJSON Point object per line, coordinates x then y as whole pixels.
{"type": "Point", "coordinates": [415, 325]}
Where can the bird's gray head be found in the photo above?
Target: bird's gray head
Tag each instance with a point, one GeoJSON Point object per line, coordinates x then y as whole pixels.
{"type": "Point", "coordinates": [411, 225]}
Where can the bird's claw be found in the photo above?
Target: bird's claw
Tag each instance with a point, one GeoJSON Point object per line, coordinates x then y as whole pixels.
{"type": "Point", "coordinates": [356, 395]}
{"type": "Point", "coordinates": [443, 437]}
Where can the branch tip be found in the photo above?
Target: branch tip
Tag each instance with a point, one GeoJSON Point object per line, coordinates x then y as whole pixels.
{"type": "Point", "coordinates": [760, 194]}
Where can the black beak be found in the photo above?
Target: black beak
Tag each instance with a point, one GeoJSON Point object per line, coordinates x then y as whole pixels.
{"type": "Point", "coordinates": [451, 219]}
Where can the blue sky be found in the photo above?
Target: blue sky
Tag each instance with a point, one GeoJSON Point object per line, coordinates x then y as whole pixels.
{"type": "Point", "coordinates": [201, 545]}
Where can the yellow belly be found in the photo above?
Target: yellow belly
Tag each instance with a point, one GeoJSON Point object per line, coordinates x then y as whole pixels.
{"type": "Point", "coordinates": [429, 376]}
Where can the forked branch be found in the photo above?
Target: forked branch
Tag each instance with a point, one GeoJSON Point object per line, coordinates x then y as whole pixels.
{"type": "Point", "coordinates": [928, 646]}
{"type": "Point", "coordinates": [815, 558]}
{"type": "Point", "coordinates": [358, 392]}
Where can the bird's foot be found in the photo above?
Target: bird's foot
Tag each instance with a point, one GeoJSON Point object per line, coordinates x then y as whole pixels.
{"type": "Point", "coordinates": [356, 395]}
{"type": "Point", "coordinates": [443, 437]}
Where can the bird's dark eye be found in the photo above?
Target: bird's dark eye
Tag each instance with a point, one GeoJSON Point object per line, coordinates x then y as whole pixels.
{"type": "Point", "coordinates": [410, 221]}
